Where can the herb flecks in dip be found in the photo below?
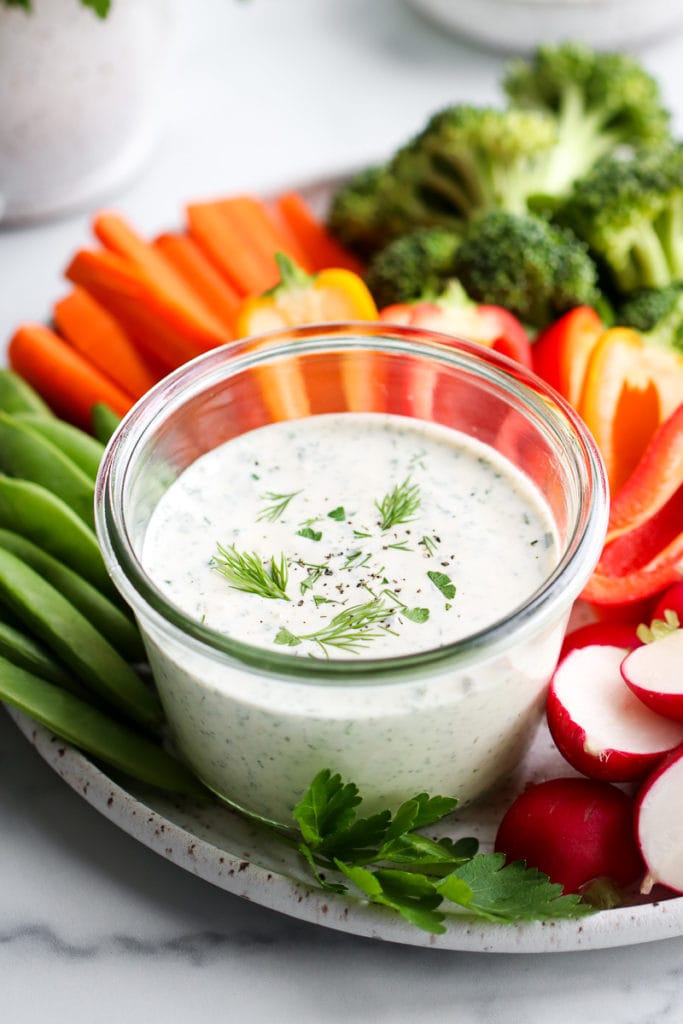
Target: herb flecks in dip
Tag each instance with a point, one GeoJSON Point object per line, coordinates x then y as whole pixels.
{"type": "Point", "coordinates": [355, 535]}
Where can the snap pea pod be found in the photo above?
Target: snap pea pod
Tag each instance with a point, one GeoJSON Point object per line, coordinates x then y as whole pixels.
{"type": "Point", "coordinates": [107, 618]}
{"type": "Point", "coordinates": [51, 618]}
{"type": "Point", "coordinates": [22, 650]}
{"type": "Point", "coordinates": [92, 731]}
{"type": "Point", "coordinates": [104, 421]}
{"type": "Point", "coordinates": [42, 517]}
{"type": "Point", "coordinates": [18, 396]}
{"type": "Point", "coordinates": [81, 448]}
{"type": "Point", "coordinates": [25, 453]}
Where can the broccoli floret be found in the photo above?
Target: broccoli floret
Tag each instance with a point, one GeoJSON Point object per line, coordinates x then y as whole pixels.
{"type": "Point", "coordinates": [353, 212]}
{"type": "Point", "coordinates": [658, 314]}
{"type": "Point", "coordinates": [602, 101]}
{"type": "Point", "coordinates": [472, 159]}
{"type": "Point", "coordinates": [413, 266]}
{"type": "Point", "coordinates": [630, 214]}
{"type": "Point", "coordinates": [528, 266]}
{"type": "Point", "coordinates": [466, 160]}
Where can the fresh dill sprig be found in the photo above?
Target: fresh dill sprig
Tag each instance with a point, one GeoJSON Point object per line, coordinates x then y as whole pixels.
{"type": "Point", "coordinates": [277, 506]}
{"type": "Point", "coordinates": [349, 630]}
{"type": "Point", "coordinates": [246, 571]}
{"type": "Point", "coordinates": [429, 544]}
{"type": "Point", "coordinates": [399, 505]}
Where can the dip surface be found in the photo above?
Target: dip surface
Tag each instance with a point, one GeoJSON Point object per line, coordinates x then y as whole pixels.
{"type": "Point", "coordinates": [378, 534]}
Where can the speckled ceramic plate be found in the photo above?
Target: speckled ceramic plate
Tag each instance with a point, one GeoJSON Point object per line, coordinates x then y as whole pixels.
{"type": "Point", "coordinates": [221, 847]}
{"type": "Point", "coordinates": [230, 852]}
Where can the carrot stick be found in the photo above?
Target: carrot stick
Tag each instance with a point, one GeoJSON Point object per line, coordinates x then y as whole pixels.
{"type": "Point", "coordinates": [100, 338]}
{"type": "Point", "coordinates": [69, 383]}
{"type": "Point", "coordinates": [263, 233]}
{"type": "Point", "coordinates": [218, 295]}
{"type": "Point", "coordinates": [119, 237]}
{"type": "Point", "coordinates": [323, 250]}
{"type": "Point", "coordinates": [156, 324]}
{"type": "Point", "coordinates": [224, 242]}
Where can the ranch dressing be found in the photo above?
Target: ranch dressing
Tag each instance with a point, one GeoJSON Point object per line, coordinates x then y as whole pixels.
{"type": "Point", "coordinates": [257, 735]}
{"type": "Point", "coordinates": [394, 536]}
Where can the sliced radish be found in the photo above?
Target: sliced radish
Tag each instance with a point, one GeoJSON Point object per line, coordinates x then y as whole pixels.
{"type": "Point", "coordinates": [601, 634]}
{"type": "Point", "coordinates": [659, 825]}
{"type": "Point", "coordinates": [575, 831]}
{"type": "Point", "coordinates": [654, 672]}
{"type": "Point", "coordinates": [599, 726]}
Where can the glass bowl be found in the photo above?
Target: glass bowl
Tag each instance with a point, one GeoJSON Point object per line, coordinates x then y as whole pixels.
{"type": "Point", "coordinates": [256, 724]}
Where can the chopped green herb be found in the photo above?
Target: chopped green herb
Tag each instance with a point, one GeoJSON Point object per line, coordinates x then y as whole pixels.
{"type": "Point", "coordinates": [413, 614]}
{"type": "Point", "coordinates": [309, 534]}
{"type": "Point", "coordinates": [246, 572]}
{"type": "Point", "coordinates": [443, 583]}
{"type": "Point", "coordinates": [399, 505]}
{"type": "Point", "coordinates": [279, 503]}
{"type": "Point", "coordinates": [337, 513]}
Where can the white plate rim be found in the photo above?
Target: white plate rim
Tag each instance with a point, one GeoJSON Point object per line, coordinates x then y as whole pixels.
{"type": "Point", "coordinates": [235, 872]}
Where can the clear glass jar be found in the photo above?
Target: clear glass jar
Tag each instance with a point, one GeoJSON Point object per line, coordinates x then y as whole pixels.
{"type": "Point", "coordinates": [256, 725]}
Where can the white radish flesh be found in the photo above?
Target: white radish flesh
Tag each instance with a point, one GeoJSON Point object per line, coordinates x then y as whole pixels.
{"type": "Point", "coordinates": [599, 726]}
{"type": "Point", "coordinates": [654, 673]}
{"type": "Point", "coordinates": [659, 825]}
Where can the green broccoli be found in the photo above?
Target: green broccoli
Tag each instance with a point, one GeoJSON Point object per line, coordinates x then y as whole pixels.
{"type": "Point", "coordinates": [602, 102]}
{"type": "Point", "coordinates": [353, 216]}
{"type": "Point", "coordinates": [657, 313]}
{"type": "Point", "coordinates": [467, 160]}
{"type": "Point", "coordinates": [415, 265]}
{"type": "Point", "coordinates": [533, 269]}
{"type": "Point", "coordinates": [630, 214]}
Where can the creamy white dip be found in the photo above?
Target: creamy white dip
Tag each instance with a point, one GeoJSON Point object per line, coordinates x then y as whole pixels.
{"type": "Point", "coordinates": [431, 533]}
{"type": "Point", "coordinates": [256, 736]}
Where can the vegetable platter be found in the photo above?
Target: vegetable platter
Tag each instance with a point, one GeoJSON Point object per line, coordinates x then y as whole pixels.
{"type": "Point", "coordinates": [490, 224]}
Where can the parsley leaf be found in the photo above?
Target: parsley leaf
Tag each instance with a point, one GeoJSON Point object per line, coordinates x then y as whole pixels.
{"type": "Point", "coordinates": [309, 534]}
{"type": "Point", "coordinates": [337, 513]}
{"type": "Point", "coordinates": [512, 892]}
{"type": "Point", "coordinates": [443, 583]}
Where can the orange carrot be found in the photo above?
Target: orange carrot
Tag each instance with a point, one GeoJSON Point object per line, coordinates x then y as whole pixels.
{"type": "Point", "coordinates": [100, 338]}
{"type": "Point", "coordinates": [70, 384]}
{"type": "Point", "coordinates": [223, 239]}
{"type": "Point", "coordinates": [262, 231]}
{"type": "Point", "coordinates": [323, 250]}
{"type": "Point", "coordinates": [218, 295]}
{"type": "Point", "coordinates": [119, 237]}
{"type": "Point", "coordinates": [157, 324]}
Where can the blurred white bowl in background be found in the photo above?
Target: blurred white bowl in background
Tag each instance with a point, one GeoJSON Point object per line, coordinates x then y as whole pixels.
{"type": "Point", "coordinates": [81, 101]}
{"type": "Point", "coordinates": [520, 25]}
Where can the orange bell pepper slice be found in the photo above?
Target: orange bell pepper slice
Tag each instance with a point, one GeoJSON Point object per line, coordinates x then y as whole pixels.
{"type": "Point", "coordinates": [331, 296]}
{"type": "Point", "coordinates": [630, 388]}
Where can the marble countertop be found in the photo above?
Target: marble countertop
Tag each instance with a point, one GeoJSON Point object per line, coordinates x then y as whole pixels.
{"type": "Point", "coordinates": [94, 926]}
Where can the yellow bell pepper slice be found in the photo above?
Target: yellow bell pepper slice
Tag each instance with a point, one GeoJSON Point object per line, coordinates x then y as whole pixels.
{"type": "Point", "coordinates": [331, 296]}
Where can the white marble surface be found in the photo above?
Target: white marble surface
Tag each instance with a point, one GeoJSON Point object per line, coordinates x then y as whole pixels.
{"type": "Point", "coordinates": [93, 926]}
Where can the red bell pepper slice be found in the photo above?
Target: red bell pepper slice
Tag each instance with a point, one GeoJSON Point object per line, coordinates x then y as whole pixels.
{"type": "Point", "coordinates": [457, 315]}
{"type": "Point", "coordinates": [561, 352]}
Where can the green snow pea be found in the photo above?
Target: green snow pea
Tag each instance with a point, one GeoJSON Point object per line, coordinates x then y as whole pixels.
{"type": "Point", "coordinates": [94, 732]}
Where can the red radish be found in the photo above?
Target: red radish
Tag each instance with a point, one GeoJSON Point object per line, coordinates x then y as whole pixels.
{"type": "Point", "coordinates": [654, 672]}
{"type": "Point", "coordinates": [659, 825]}
{"type": "Point", "coordinates": [671, 600]}
{"type": "Point", "coordinates": [599, 726]}
{"type": "Point", "coordinates": [609, 634]}
{"type": "Point", "coordinates": [575, 831]}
